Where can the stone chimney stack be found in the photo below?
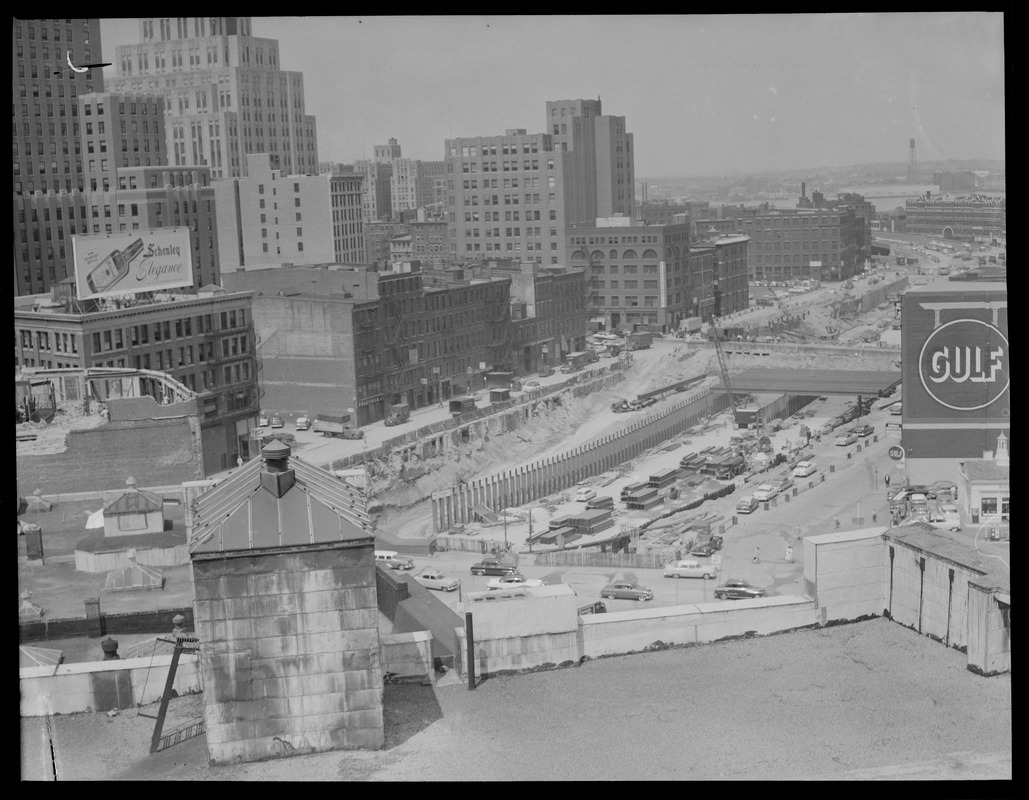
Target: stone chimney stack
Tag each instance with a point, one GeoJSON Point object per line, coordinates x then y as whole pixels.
{"type": "Point", "coordinates": [277, 477]}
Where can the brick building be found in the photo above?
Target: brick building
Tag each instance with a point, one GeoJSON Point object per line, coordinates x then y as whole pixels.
{"type": "Point", "coordinates": [972, 218]}
{"type": "Point", "coordinates": [642, 274]}
{"type": "Point", "coordinates": [205, 341]}
{"type": "Point", "coordinates": [342, 339]}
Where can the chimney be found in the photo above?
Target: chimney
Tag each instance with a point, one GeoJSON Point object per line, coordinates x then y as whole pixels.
{"type": "Point", "coordinates": [277, 477]}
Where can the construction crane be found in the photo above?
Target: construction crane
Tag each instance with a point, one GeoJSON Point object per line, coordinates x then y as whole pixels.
{"type": "Point", "coordinates": [724, 368]}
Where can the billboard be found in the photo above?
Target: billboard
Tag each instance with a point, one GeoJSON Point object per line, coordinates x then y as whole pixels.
{"type": "Point", "coordinates": [131, 262]}
{"type": "Point", "coordinates": [957, 395]}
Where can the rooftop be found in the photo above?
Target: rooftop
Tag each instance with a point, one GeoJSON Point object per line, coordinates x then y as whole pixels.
{"type": "Point", "coordinates": [968, 548]}
{"type": "Point", "coordinates": [986, 469]}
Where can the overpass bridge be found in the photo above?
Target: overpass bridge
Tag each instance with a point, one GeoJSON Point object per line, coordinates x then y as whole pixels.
{"type": "Point", "coordinates": [817, 382]}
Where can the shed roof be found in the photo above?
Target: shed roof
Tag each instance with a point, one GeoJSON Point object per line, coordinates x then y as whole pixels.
{"type": "Point", "coordinates": [986, 469]}
{"type": "Point", "coordinates": [133, 501]}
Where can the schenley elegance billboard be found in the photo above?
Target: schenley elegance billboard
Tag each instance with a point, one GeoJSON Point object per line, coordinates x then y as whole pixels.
{"type": "Point", "coordinates": [132, 262]}
{"type": "Point", "coordinates": [957, 396]}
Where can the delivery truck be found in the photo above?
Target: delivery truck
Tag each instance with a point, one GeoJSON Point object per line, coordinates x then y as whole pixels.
{"type": "Point", "coordinates": [337, 425]}
{"type": "Point", "coordinates": [459, 405]}
{"type": "Point", "coordinates": [640, 340]}
{"type": "Point", "coordinates": [399, 413]}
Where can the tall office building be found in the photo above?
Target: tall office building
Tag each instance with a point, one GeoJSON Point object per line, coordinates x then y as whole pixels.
{"type": "Point", "coordinates": [224, 91]}
{"type": "Point", "coordinates": [413, 183]}
{"type": "Point", "coordinates": [49, 164]}
{"type": "Point", "coordinates": [273, 218]}
{"type": "Point", "coordinates": [580, 170]}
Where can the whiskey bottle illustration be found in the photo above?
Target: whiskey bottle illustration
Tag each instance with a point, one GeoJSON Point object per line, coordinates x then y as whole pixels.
{"type": "Point", "coordinates": [113, 268]}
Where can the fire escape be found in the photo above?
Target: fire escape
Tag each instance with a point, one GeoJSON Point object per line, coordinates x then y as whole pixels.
{"type": "Point", "coordinates": [401, 366]}
{"type": "Point", "coordinates": [498, 314]}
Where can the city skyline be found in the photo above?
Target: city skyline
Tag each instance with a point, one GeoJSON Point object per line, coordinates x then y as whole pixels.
{"type": "Point", "coordinates": [759, 82]}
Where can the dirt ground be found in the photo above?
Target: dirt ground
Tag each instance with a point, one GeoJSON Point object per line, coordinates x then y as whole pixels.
{"type": "Point", "coordinates": [870, 701]}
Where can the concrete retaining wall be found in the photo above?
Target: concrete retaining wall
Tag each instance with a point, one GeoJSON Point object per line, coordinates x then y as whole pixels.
{"type": "Point", "coordinates": [845, 571]}
{"type": "Point", "coordinates": [407, 655]}
{"type": "Point", "coordinates": [631, 631]}
{"type": "Point", "coordinates": [151, 557]}
{"type": "Point", "coordinates": [556, 473]}
{"type": "Point", "coordinates": [86, 687]}
{"type": "Point", "coordinates": [989, 631]}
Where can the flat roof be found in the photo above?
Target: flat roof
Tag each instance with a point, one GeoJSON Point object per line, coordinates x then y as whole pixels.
{"type": "Point", "coordinates": [814, 381]}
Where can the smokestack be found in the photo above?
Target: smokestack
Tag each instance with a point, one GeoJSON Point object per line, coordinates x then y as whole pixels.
{"type": "Point", "coordinates": [803, 189]}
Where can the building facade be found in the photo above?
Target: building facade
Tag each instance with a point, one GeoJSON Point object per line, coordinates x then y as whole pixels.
{"type": "Point", "coordinates": [794, 244]}
{"type": "Point", "coordinates": [972, 218]}
{"type": "Point", "coordinates": [382, 338]}
{"type": "Point", "coordinates": [424, 241]}
{"type": "Point", "coordinates": [376, 205]}
{"type": "Point", "coordinates": [731, 286]}
{"type": "Point", "coordinates": [49, 156]}
{"type": "Point", "coordinates": [641, 274]}
{"type": "Point", "coordinates": [224, 91]}
{"type": "Point", "coordinates": [205, 341]}
{"type": "Point", "coordinates": [273, 217]}
{"type": "Point", "coordinates": [514, 195]}
{"type": "Point", "coordinates": [413, 183]}
{"type": "Point", "coordinates": [957, 401]}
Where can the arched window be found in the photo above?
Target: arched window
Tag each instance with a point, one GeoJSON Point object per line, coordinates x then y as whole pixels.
{"type": "Point", "coordinates": [613, 254]}
{"type": "Point", "coordinates": [649, 254]}
{"type": "Point", "coordinates": [629, 254]}
{"type": "Point", "coordinates": [597, 255]}
{"type": "Point", "coordinates": [578, 255]}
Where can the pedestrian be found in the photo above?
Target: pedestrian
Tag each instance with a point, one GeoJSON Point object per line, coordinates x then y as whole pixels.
{"type": "Point", "coordinates": [789, 554]}
{"type": "Point", "coordinates": [836, 520]}
{"type": "Point", "coordinates": [757, 555]}
{"type": "Point", "coordinates": [874, 520]}
{"type": "Point", "coordinates": [887, 479]}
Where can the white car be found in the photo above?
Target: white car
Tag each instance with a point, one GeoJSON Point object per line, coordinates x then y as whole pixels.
{"type": "Point", "coordinates": [765, 492]}
{"type": "Point", "coordinates": [803, 469]}
{"type": "Point", "coordinates": [513, 581]}
{"type": "Point", "coordinates": [583, 495]}
{"type": "Point", "coordinates": [947, 517]}
{"type": "Point", "coordinates": [434, 579]}
{"type": "Point", "coordinates": [690, 569]}
{"type": "Point", "coordinates": [607, 337]}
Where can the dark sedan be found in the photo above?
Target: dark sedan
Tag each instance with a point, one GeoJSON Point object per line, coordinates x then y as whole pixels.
{"type": "Point", "coordinates": [738, 590]}
{"type": "Point", "coordinates": [707, 547]}
{"type": "Point", "coordinates": [491, 566]}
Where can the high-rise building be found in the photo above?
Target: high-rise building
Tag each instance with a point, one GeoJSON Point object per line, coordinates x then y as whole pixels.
{"type": "Point", "coordinates": [225, 94]}
{"type": "Point", "coordinates": [49, 163]}
{"type": "Point", "coordinates": [271, 217]}
{"type": "Point", "coordinates": [375, 188]}
{"type": "Point", "coordinates": [413, 183]}
{"type": "Point", "coordinates": [581, 169]}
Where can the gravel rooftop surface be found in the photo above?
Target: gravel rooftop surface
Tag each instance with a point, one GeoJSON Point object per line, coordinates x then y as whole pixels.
{"type": "Point", "coordinates": [870, 701]}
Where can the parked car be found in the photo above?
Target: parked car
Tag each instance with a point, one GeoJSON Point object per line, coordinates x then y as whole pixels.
{"type": "Point", "coordinates": [690, 569]}
{"type": "Point", "coordinates": [896, 410]}
{"type": "Point", "coordinates": [783, 484]}
{"type": "Point", "coordinates": [707, 547]}
{"type": "Point", "coordinates": [804, 468]}
{"type": "Point", "coordinates": [608, 337]}
{"type": "Point", "coordinates": [531, 384]}
{"type": "Point", "coordinates": [599, 607]}
{"type": "Point", "coordinates": [947, 517]}
{"type": "Point", "coordinates": [746, 505]}
{"type": "Point", "coordinates": [919, 505]}
{"type": "Point", "coordinates": [513, 581]}
{"type": "Point", "coordinates": [583, 495]}
{"type": "Point", "coordinates": [493, 566]}
{"type": "Point", "coordinates": [276, 421]}
{"type": "Point", "coordinates": [434, 579]}
{"type": "Point", "coordinates": [262, 420]}
{"type": "Point", "coordinates": [303, 423]}
{"type": "Point", "coordinates": [601, 501]}
{"type": "Point", "coordinates": [863, 430]}
{"type": "Point", "coordinates": [738, 590]}
{"type": "Point", "coordinates": [845, 439]}
{"type": "Point", "coordinates": [765, 492]}
{"type": "Point", "coordinates": [393, 560]}
{"type": "Point", "coordinates": [626, 590]}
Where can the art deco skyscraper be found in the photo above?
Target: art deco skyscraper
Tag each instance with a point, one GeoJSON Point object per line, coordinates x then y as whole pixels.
{"type": "Point", "coordinates": [224, 92]}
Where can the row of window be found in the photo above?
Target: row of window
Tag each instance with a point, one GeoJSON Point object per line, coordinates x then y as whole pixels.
{"type": "Point", "coordinates": [506, 149]}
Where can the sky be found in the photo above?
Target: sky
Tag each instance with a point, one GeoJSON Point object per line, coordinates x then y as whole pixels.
{"type": "Point", "coordinates": [702, 94]}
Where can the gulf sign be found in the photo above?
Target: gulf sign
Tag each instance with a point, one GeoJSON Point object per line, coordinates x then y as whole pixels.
{"type": "Point", "coordinates": [132, 262]}
{"type": "Point", "coordinates": [956, 356]}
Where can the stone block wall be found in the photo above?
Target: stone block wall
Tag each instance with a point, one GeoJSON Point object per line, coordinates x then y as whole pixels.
{"type": "Point", "coordinates": [291, 659]}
